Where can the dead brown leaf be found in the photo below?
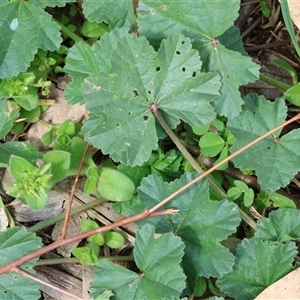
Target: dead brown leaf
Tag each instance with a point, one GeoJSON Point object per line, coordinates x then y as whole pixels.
{"type": "Point", "coordinates": [287, 288]}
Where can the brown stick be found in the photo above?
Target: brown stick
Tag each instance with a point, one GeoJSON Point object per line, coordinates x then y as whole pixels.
{"type": "Point", "coordinates": [144, 215]}
{"type": "Point", "coordinates": [66, 221]}
{"type": "Point", "coordinates": [25, 274]}
{"type": "Point", "coordinates": [197, 179]}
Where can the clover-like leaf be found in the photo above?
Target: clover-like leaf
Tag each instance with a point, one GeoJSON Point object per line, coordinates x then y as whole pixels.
{"type": "Point", "coordinates": [212, 34]}
{"type": "Point", "coordinates": [14, 244]}
{"type": "Point", "coordinates": [25, 27]}
{"type": "Point", "coordinates": [114, 13]}
{"type": "Point", "coordinates": [211, 144]}
{"type": "Point", "coordinates": [282, 223]}
{"type": "Point", "coordinates": [158, 258]}
{"type": "Point", "coordinates": [275, 158]}
{"type": "Point", "coordinates": [133, 81]}
{"type": "Point", "coordinates": [258, 264]}
{"type": "Point", "coordinates": [201, 224]}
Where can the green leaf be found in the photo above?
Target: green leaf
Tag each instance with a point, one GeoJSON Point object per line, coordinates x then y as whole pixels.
{"type": "Point", "coordinates": [113, 239]}
{"type": "Point", "coordinates": [51, 3]}
{"type": "Point", "coordinates": [26, 27]}
{"type": "Point", "coordinates": [112, 12]}
{"type": "Point", "coordinates": [167, 162]}
{"type": "Point", "coordinates": [47, 137]}
{"type": "Point", "coordinates": [265, 8]}
{"type": "Point", "coordinates": [233, 193]}
{"type": "Point", "coordinates": [201, 224]}
{"type": "Point", "coordinates": [36, 202]}
{"type": "Point", "coordinates": [258, 264]}
{"type": "Point", "coordinates": [14, 244]}
{"type": "Point", "coordinates": [92, 172]}
{"type": "Point", "coordinates": [200, 130]}
{"type": "Point", "coordinates": [248, 197]}
{"type": "Point", "coordinates": [287, 67]}
{"type": "Point", "coordinates": [8, 113]}
{"type": "Point", "coordinates": [248, 194]}
{"type": "Point", "coordinates": [161, 276]}
{"type": "Point", "coordinates": [96, 239]}
{"type": "Point", "coordinates": [76, 151]}
{"type": "Point", "coordinates": [169, 79]}
{"type": "Point", "coordinates": [211, 33]}
{"type": "Point", "coordinates": [241, 185]}
{"type": "Point", "coordinates": [67, 127]}
{"type": "Point", "coordinates": [31, 116]}
{"type": "Point", "coordinates": [18, 166]}
{"type": "Point", "coordinates": [282, 222]}
{"type": "Point", "coordinates": [62, 142]}
{"type": "Point", "coordinates": [87, 225]}
{"type": "Point", "coordinates": [293, 95]}
{"type": "Point", "coordinates": [275, 160]}
{"type": "Point", "coordinates": [93, 29]}
{"type": "Point", "coordinates": [60, 163]}
{"type": "Point", "coordinates": [105, 295]}
{"type": "Point", "coordinates": [279, 200]}
{"type": "Point", "coordinates": [31, 184]}
{"type": "Point", "coordinates": [80, 63]}
{"type": "Point", "coordinates": [29, 101]}
{"type": "Point", "coordinates": [87, 255]}
{"type": "Point", "coordinates": [21, 149]}
{"type": "Point", "coordinates": [136, 174]}
{"type": "Point", "coordinates": [222, 156]}
{"type": "Point", "coordinates": [201, 287]}
{"type": "Point", "coordinates": [114, 185]}
{"type": "Point", "coordinates": [90, 184]}
{"type": "Point", "coordinates": [211, 144]}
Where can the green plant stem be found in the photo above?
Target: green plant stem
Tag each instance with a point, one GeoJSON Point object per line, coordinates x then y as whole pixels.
{"type": "Point", "coordinates": [274, 82]}
{"type": "Point", "coordinates": [73, 260]}
{"type": "Point", "coordinates": [196, 166]}
{"type": "Point", "coordinates": [60, 217]}
{"type": "Point", "coordinates": [186, 153]}
{"type": "Point", "coordinates": [73, 36]}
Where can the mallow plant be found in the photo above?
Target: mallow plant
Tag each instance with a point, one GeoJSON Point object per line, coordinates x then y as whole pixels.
{"type": "Point", "coordinates": [156, 75]}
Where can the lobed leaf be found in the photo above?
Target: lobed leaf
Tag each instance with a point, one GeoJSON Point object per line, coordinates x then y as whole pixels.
{"type": "Point", "coordinates": [15, 243]}
{"type": "Point", "coordinates": [218, 42]}
{"type": "Point", "coordinates": [24, 25]}
{"type": "Point", "coordinates": [282, 223]}
{"type": "Point", "coordinates": [201, 224]}
{"type": "Point", "coordinates": [258, 264]}
{"type": "Point", "coordinates": [274, 159]}
{"type": "Point", "coordinates": [161, 275]}
{"type": "Point", "coordinates": [130, 79]}
{"type": "Point", "coordinates": [80, 63]}
{"type": "Point", "coordinates": [51, 3]}
{"type": "Point", "coordinates": [112, 12]}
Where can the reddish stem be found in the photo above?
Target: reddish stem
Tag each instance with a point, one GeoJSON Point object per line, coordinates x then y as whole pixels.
{"type": "Point", "coordinates": [60, 242]}
{"type": "Point", "coordinates": [68, 212]}
{"type": "Point", "coordinates": [25, 274]}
